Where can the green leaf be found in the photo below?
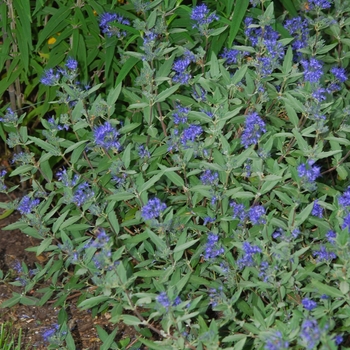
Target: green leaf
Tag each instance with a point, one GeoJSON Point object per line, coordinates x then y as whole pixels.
{"type": "Point", "coordinates": [325, 289]}
{"type": "Point", "coordinates": [113, 220]}
{"type": "Point", "coordinates": [12, 301]}
{"type": "Point", "coordinates": [239, 12]}
{"type": "Point", "coordinates": [45, 146]}
{"type": "Point", "coordinates": [74, 146]}
{"type": "Point", "coordinates": [126, 68]}
{"type": "Point", "coordinates": [166, 93]}
{"type": "Point", "coordinates": [292, 115]}
{"type": "Point", "coordinates": [130, 320]}
{"type": "Point", "coordinates": [53, 25]}
{"type": "Point", "coordinates": [121, 196]}
{"type": "Point", "coordinates": [289, 6]}
{"type": "Point", "coordinates": [91, 302]}
{"type": "Point", "coordinates": [107, 342]}
{"type": "Point", "coordinates": [175, 178]}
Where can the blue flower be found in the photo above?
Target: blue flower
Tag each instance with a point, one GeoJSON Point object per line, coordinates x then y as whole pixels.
{"type": "Point", "coordinates": [344, 200]}
{"type": "Point", "coordinates": [322, 4]}
{"type": "Point", "coordinates": [309, 304]}
{"type": "Point", "coordinates": [209, 177]}
{"type": "Point", "coordinates": [71, 63]}
{"type": "Point", "coordinates": [50, 77]}
{"type": "Point", "coordinates": [310, 333]}
{"type": "Point", "coordinates": [153, 209]}
{"type": "Point", "coordinates": [163, 300]}
{"type": "Point", "coordinates": [180, 67]}
{"type": "Point", "coordinates": [143, 152]}
{"type": "Point", "coordinates": [27, 205]}
{"type": "Point", "coordinates": [312, 70]}
{"type": "Point", "coordinates": [82, 194]}
{"type": "Point", "coordinates": [254, 128]}
{"type": "Point", "coordinates": [212, 249]}
{"type": "Point", "coordinates": [201, 15]}
{"type": "Point", "coordinates": [323, 254]}
{"type": "Point", "coordinates": [181, 113]}
{"type": "Point", "coordinates": [9, 117]}
{"type": "Point", "coordinates": [256, 214]}
{"type": "Point", "coordinates": [308, 172]}
{"type": "Point", "coordinates": [105, 24]}
{"type": "Point", "coordinates": [317, 210]}
{"type": "Point", "coordinates": [275, 342]}
{"type": "Point", "coordinates": [239, 211]}
{"type": "Point", "coordinates": [106, 136]}
{"type": "Point", "coordinates": [331, 236]}
{"type": "Point", "coordinates": [248, 253]}
{"type": "Point", "coordinates": [298, 28]}
{"type": "Point", "coordinates": [339, 74]}
{"type": "Point", "coordinates": [189, 134]}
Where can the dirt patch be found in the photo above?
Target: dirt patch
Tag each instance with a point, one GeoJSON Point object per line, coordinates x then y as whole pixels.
{"type": "Point", "coordinates": [35, 320]}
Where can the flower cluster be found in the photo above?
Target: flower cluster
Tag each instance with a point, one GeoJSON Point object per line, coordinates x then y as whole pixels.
{"type": "Point", "coordinates": [256, 214]}
{"type": "Point", "coordinates": [106, 24]}
{"type": "Point", "coordinates": [320, 4]}
{"type": "Point", "coordinates": [106, 136]}
{"type": "Point", "coordinates": [212, 249]}
{"type": "Point", "coordinates": [9, 117]}
{"type": "Point", "coordinates": [275, 341]}
{"type": "Point", "coordinates": [164, 301]}
{"type": "Point", "coordinates": [82, 194]}
{"type": "Point", "coordinates": [312, 70]}
{"type": "Point", "coordinates": [310, 333]}
{"type": "Point", "coordinates": [298, 29]}
{"type": "Point", "coordinates": [181, 113]}
{"type": "Point", "coordinates": [248, 255]}
{"type": "Point", "coordinates": [27, 205]}
{"type": "Point", "coordinates": [323, 254]}
{"type": "Point", "coordinates": [190, 134]}
{"type": "Point", "coordinates": [308, 173]}
{"type": "Point", "coordinates": [202, 17]}
{"type": "Point", "coordinates": [50, 77]}
{"type": "Point", "coordinates": [64, 177]}
{"type": "Point", "coordinates": [317, 210]}
{"type": "Point", "coordinates": [254, 128]}
{"type": "Point", "coordinates": [209, 177]}
{"type": "Point", "coordinates": [309, 304]}
{"type": "Point", "coordinates": [153, 209]}
{"type": "Point", "coordinates": [181, 65]}
{"type": "Point", "coordinates": [3, 187]}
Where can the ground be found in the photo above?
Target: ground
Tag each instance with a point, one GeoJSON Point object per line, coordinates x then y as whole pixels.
{"type": "Point", "coordinates": [35, 320]}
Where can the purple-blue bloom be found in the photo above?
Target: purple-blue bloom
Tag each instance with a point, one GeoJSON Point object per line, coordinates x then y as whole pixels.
{"type": "Point", "coordinates": [254, 128]}
{"type": "Point", "coordinates": [322, 4]}
{"type": "Point", "coordinates": [230, 56]}
{"type": "Point", "coordinates": [331, 236]}
{"type": "Point", "coordinates": [317, 210]}
{"type": "Point", "coordinates": [106, 136]}
{"type": "Point", "coordinates": [209, 177]}
{"type": "Point", "coordinates": [82, 194]}
{"type": "Point", "coordinates": [344, 200]}
{"type": "Point", "coordinates": [309, 304]}
{"type": "Point", "coordinates": [239, 211]}
{"type": "Point", "coordinates": [323, 254]}
{"type": "Point", "coordinates": [71, 63]}
{"type": "Point", "coordinates": [189, 134]}
{"type": "Point", "coordinates": [248, 252]}
{"type": "Point", "coordinates": [143, 152]}
{"type": "Point", "coordinates": [256, 214]}
{"type": "Point", "coordinates": [275, 342]}
{"type": "Point", "coordinates": [298, 28]}
{"type": "Point", "coordinates": [346, 222]}
{"type": "Point", "coordinates": [181, 113]}
{"type": "Point", "coordinates": [180, 67]}
{"type": "Point", "coordinates": [163, 300]}
{"type": "Point", "coordinates": [212, 250]}
{"type": "Point", "coordinates": [309, 172]}
{"type": "Point", "coordinates": [50, 77]}
{"type": "Point", "coordinates": [339, 74]}
{"type": "Point", "coordinates": [27, 205]}
{"type": "Point", "coordinates": [9, 117]}
{"type": "Point", "coordinates": [312, 70]}
{"type": "Point", "coordinates": [201, 15]}
{"type": "Point", "coordinates": [310, 333]}
{"type": "Point", "coordinates": [153, 209]}
{"type": "Point", "coordinates": [105, 24]}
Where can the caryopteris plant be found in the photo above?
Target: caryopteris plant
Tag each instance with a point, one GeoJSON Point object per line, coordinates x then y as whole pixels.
{"type": "Point", "coordinates": [204, 199]}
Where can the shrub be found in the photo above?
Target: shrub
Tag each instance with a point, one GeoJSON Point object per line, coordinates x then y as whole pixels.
{"type": "Point", "coordinates": [205, 200]}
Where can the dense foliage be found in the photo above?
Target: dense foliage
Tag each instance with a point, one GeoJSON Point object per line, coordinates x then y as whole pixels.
{"type": "Point", "coordinates": [200, 194]}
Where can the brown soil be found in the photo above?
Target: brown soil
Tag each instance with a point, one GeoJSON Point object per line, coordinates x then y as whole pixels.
{"type": "Point", "coordinates": [34, 320]}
